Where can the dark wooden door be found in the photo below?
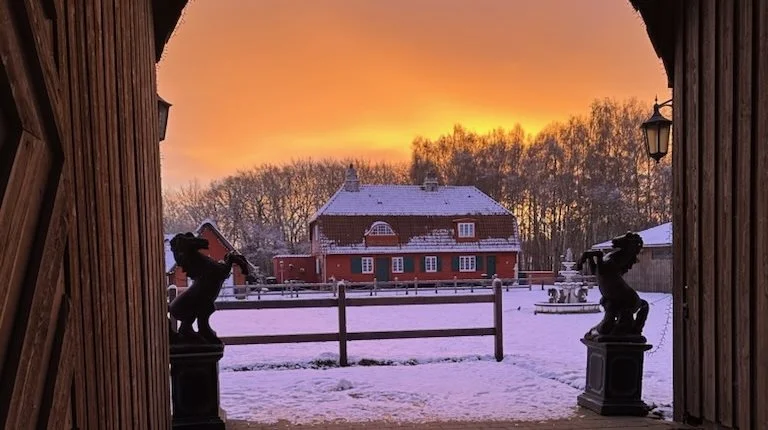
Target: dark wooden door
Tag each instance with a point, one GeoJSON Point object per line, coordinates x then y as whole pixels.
{"type": "Point", "coordinates": [36, 318]}
{"type": "Point", "coordinates": [382, 269]}
{"type": "Point", "coordinates": [490, 263]}
{"type": "Point", "coordinates": [83, 335]}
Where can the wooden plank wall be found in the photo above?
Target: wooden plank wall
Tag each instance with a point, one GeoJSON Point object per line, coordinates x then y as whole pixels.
{"type": "Point", "coordinates": [721, 200]}
{"type": "Point", "coordinates": [83, 336]}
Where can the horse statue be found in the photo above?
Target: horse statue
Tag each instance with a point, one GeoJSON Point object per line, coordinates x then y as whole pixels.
{"type": "Point", "coordinates": [208, 275]}
{"type": "Point", "coordinates": [625, 311]}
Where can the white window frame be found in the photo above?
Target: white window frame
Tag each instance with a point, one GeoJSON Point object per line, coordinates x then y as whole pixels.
{"type": "Point", "coordinates": [467, 263]}
{"type": "Point", "coordinates": [380, 228]}
{"type": "Point", "coordinates": [366, 265]}
{"type": "Point", "coordinates": [466, 229]}
{"type": "Point", "coordinates": [398, 265]}
{"type": "Point", "coordinates": [430, 263]}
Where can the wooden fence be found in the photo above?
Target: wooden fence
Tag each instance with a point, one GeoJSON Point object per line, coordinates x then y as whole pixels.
{"type": "Point", "coordinates": [341, 301]}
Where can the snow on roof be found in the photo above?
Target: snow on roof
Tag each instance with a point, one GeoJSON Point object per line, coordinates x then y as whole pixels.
{"type": "Point", "coordinates": [411, 200]}
{"type": "Point", "coordinates": [437, 241]}
{"type": "Point", "coordinates": [658, 236]}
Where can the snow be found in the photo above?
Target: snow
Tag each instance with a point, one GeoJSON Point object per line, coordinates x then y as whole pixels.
{"type": "Point", "coordinates": [658, 236]}
{"type": "Point", "coordinates": [411, 200]}
{"type": "Point", "coordinates": [418, 380]}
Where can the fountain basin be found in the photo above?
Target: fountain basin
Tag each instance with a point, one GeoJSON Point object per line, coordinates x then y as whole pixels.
{"type": "Point", "coordinates": [566, 308]}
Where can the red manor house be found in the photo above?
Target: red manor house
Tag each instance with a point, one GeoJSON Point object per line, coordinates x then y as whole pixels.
{"type": "Point", "coordinates": [218, 247]}
{"type": "Point", "coordinates": [428, 231]}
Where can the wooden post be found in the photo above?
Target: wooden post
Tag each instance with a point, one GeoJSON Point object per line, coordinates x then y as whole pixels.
{"type": "Point", "coordinates": [416, 286]}
{"type": "Point", "coordinates": [497, 321]}
{"type": "Point", "coordinates": [455, 285]}
{"type": "Point", "coordinates": [435, 287]}
{"type": "Point", "coordinates": [342, 324]}
{"type": "Point", "coordinates": [375, 287]}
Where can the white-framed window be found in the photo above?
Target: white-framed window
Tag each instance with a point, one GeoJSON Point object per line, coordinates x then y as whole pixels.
{"type": "Point", "coordinates": [466, 229]}
{"type": "Point", "coordinates": [467, 263]}
{"type": "Point", "coordinates": [430, 263]}
{"type": "Point", "coordinates": [397, 264]}
{"type": "Point", "coordinates": [380, 228]}
{"type": "Point", "coordinates": [367, 264]}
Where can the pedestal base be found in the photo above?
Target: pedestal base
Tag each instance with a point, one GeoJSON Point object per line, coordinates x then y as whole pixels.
{"type": "Point", "coordinates": [614, 378]}
{"type": "Point", "coordinates": [195, 387]}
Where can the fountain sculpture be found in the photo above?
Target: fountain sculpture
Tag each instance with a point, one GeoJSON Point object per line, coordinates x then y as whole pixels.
{"type": "Point", "coordinates": [568, 296]}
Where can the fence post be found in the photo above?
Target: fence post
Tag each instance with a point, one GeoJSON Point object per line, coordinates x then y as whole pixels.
{"type": "Point", "coordinates": [455, 285]}
{"type": "Point", "coordinates": [375, 287]}
{"type": "Point", "coordinates": [497, 321]}
{"type": "Point", "coordinates": [342, 324]}
{"type": "Point", "coordinates": [416, 286]}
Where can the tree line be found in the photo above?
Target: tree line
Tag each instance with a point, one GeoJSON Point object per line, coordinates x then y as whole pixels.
{"type": "Point", "coordinates": [573, 184]}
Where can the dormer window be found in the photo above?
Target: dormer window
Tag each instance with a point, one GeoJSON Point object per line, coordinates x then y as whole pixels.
{"type": "Point", "coordinates": [380, 228]}
{"type": "Point", "coordinates": [466, 229]}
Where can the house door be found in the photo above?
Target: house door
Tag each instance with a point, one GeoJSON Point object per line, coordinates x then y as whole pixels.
{"type": "Point", "coordinates": [490, 264]}
{"type": "Point", "coordinates": [382, 269]}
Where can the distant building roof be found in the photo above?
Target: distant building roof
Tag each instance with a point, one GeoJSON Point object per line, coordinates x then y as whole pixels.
{"type": "Point", "coordinates": [411, 200]}
{"type": "Point", "coordinates": [170, 261]}
{"type": "Point", "coordinates": [654, 237]}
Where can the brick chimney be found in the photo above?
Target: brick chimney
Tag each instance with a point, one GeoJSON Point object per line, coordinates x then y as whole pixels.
{"type": "Point", "coordinates": [351, 183]}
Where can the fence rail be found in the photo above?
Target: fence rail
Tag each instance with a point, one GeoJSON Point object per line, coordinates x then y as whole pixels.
{"type": "Point", "coordinates": [342, 336]}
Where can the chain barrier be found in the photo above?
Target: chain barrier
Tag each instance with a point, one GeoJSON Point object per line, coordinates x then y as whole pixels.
{"type": "Point", "coordinates": [664, 329]}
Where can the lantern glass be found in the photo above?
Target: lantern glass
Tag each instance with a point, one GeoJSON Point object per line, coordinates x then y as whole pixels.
{"type": "Point", "coordinates": [163, 108]}
{"type": "Point", "coordinates": [664, 130]}
{"type": "Point", "coordinates": [656, 133]}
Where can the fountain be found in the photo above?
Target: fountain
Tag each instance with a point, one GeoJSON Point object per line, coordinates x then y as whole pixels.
{"type": "Point", "coordinates": [569, 296]}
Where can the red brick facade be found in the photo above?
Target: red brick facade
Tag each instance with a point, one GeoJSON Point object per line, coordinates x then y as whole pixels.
{"type": "Point", "coordinates": [347, 267]}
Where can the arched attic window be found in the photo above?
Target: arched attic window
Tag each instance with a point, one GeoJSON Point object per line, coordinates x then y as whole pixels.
{"type": "Point", "coordinates": [380, 228]}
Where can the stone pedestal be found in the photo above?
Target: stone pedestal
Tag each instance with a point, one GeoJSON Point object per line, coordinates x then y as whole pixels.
{"type": "Point", "coordinates": [195, 386]}
{"type": "Point", "coordinates": [615, 376]}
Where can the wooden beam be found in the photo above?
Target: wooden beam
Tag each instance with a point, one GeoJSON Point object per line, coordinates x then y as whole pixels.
{"type": "Point", "coordinates": [743, 226]}
{"type": "Point", "coordinates": [724, 257]}
{"type": "Point", "coordinates": [760, 217]}
{"type": "Point", "coordinates": [679, 205]}
{"type": "Point", "coordinates": [693, 213]}
{"type": "Point", "coordinates": [422, 300]}
{"type": "Point", "coordinates": [417, 334]}
{"type": "Point", "coordinates": [280, 338]}
{"type": "Point", "coordinates": [708, 226]}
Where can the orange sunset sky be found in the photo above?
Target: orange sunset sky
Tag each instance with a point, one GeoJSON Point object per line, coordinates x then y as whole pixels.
{"type": "Point", "coordinates": [265, 81]}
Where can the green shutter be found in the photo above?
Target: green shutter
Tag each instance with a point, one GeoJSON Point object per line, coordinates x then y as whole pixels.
{"type": "Point", "coordinates": [408, 264]}
{"type": "Point", "coordinates": [357, 265]}
{"type": "Point", "coordinates": [479, 263]}
{"type": "Point", "coordinates": [455, 263]}
{"type": "Point", "coordinates": [439, 264]}
{"type": "Point", "coordinates": [424, 264]}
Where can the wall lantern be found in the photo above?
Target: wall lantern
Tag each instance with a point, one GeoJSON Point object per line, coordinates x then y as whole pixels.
{"type": "Point", "coordinates": [656, 132]}
{"type": "Point", "coordinates": [162, 115]}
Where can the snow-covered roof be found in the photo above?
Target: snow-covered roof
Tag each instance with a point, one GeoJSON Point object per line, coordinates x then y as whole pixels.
{"type": "Point", "coordinates": [654, 237]}
{"type": "Point", "coordinates": [411, 200]}
{"type": "Point", "coordinates": [437, 240]}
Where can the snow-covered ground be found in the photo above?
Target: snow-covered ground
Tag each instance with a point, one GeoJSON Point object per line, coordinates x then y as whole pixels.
{"type": "Point", "coordinates": [425, 379]}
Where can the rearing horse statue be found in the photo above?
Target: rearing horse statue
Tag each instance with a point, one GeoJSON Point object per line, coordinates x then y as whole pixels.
{"type": "Point", "coordinates": [619, 300]}
{"type": "Point", "coordinates": [197, 302]}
